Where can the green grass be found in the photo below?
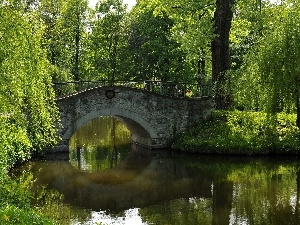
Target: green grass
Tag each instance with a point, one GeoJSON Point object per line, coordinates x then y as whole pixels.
{"type": "Point", "coordinates": [244, 133]}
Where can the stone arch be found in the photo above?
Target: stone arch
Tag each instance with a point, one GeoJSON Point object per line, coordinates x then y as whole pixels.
{"type": "Point", "coordinates": [153, 120]}
{"type": "Point", "coordinates": [142, 132]}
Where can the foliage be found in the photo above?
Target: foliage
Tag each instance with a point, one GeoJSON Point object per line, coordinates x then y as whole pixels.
{"type": "Point", "coordinates": [161, 39]}
{"type": "Point", "coordinates": [156, 53]}
{"type": "Point", "coordinates": [15, 204]}
{"type": "Point", "coordinates": [27, 112]}
{"type": "Point", "coordinates": [268, 80]}
{"type": "Point", "coordinates": [237, 132]}
{"type": "Point", "coordinates": [72, 26]}
{"type": "Point", "coordinates": [190, 34]}
{"type": "Point", "coordinates": [21, 204]}
{"type": "Point", "coordinates": [49, 203]}
{"type": "Point", "coordinates": [50, 12]}
{"type": "Point", "coordinates": [64, 37]}
{"type": "Point", "coordinates": [14, 215]}
{"type": "Point", "coordinates": [109, 53]}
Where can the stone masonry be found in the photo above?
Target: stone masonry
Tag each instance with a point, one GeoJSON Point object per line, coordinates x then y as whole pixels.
{"type": "Point", "coordinates": [152, 119]}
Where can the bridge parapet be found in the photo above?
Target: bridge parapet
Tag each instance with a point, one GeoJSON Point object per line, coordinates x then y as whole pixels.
{"type": "Point", "coordinates": [167, 88]}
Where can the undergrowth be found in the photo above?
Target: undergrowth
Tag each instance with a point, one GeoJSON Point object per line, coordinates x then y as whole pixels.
{"type": "Point", "coordinates": [239, 132]}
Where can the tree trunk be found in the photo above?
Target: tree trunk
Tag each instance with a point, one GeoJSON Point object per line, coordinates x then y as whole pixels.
{"type": "Point", "coordinates": [220, 54]}
{"type": "Point", "coordinates": [297, 209]}
{"type": "Point", "coordinates": [77, 47]}
{"type": "Point", "coordinates": [298, 110]}
{"type": "Point", "coordinates": [222, 202]}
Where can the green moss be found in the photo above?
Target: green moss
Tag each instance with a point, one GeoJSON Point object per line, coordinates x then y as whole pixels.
{"type": "Point", "coordinates": [237, 132]}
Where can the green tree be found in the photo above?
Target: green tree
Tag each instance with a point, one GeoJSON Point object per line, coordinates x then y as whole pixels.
{"type": "Point", "coordinates": [25, 6]}
{"type": "Point", "coordinates": [50, 12]}
{"type": "Point", "coordinates": [252, 23]}
{"type": "Point", "coordinates": [109, 40]}
{"type": "Point", "coordinates": [27, 112]}
{"type": "Point", "coordinates": [211, 24]}
{"type": "Point", "coordinates": [194, 31]}
{"type": "Point", "coordinates": [220, 53]}
{"type": "Point", "coordinates": [279, 61]}
{"type": "Point", "coordinates": [269, 78]}
{"type": "Point", "coordinates": [72, 28]}
{"type": "Point", "coordinates": [157, 55]}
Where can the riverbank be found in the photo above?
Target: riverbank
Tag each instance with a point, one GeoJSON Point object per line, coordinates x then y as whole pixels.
{"type": "Point", "coordinates": [243, 133]}
{"type": "Point", "coordinates": [16, 203]}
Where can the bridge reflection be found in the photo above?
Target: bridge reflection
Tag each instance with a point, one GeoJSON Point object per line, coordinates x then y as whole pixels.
{"type": "Point", "coordinates": [141, 180]}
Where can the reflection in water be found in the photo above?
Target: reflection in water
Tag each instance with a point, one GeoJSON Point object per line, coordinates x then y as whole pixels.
{"type": "Point", "coordinates": [101, 144]}
{"type": "Point", "coordinates": [165, 188]}
{"type": "Point", "coordinates": [161, 187]}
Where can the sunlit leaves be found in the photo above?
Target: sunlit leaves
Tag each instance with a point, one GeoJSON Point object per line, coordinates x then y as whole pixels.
{"type": "Point", "coordinates": [238, 132]}
{"type": "Point", "coordinates": [108, 41]}
{"type": "Point", "coordinates": [27, 108]}
{"type": "Point", "coordinates": [240, 29]}
{"type": "Point", "coordinates": [157, 54]}
{"type": "Point", "coordinates": [269, 77]}
{"type": "Point", "coordinates": [279, 60]}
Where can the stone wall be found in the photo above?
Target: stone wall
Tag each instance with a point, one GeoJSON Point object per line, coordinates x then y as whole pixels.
{"type": "Point", "coordinates": [152, 119]}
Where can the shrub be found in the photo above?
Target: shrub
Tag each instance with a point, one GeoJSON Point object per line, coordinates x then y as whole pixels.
{"type": "Point", "coordinates": [15, 203]}
{"type": "Point", "coordinates": [237, 132]}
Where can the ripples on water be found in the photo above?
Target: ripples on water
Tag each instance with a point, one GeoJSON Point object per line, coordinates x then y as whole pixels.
{"type": "Point", "coordinates": [107, 180]}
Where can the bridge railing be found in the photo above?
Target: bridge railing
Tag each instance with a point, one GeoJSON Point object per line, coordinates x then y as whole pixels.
{"type": "Point", "coordinates": [169, 88]}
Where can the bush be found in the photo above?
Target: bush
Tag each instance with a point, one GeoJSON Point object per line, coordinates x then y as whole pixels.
{"type": "Point", "coordinates": [15, 201]}
{"type": "Point", "coordinates": [237, 132]}
{"type": "Point", "coordinates": [12, 214]}
{"type": "Point", "coordinates": [27, 111]}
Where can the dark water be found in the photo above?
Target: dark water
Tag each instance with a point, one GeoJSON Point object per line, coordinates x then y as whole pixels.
{"type": "Point", "coordinates": [106, 180]}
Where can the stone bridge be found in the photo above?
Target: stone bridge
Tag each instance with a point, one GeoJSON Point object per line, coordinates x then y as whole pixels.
{"type": "Point", "coordinates": [153, 119]}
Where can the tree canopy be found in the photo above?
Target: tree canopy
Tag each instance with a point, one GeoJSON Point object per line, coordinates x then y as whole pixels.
{"type": "Point", "coordinates": [27, 112]}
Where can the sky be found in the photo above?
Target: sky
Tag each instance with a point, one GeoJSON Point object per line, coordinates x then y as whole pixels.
{"type": "Point", "coordinates": [130, 3]}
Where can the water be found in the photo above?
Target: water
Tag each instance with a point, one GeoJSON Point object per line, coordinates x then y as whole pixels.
{"type": "Point", "coordinates": [106, 180]}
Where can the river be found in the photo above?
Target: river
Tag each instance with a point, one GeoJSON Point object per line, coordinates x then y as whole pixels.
{"type": "Point", "coordinates": [107, 180]}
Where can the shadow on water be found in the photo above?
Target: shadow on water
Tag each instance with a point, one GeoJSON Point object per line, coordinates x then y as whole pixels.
{"type": "Point", "coordinates": [127, 184]}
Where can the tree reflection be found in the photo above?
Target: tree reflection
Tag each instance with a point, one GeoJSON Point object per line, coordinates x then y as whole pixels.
{"type": "Point", "coordinates": [180, 211]}
{"type": "Point", "coordinates": [169, 188]}
{"type": "Point", "coordinates": [222, 202]}
{"type": "Point", "coordinates": [265, 195]}
{"type": "Point", "coordinates": [100, 145]}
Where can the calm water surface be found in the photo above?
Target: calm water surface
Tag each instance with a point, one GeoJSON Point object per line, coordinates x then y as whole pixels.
{"type": "Point", "coordinates": [106, 180]}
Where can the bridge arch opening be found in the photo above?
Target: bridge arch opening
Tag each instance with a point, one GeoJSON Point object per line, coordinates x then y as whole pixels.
{"type": "Point", "coordinates": [141, 131]}
{"type": "Point", "coordinates": [104, 131]}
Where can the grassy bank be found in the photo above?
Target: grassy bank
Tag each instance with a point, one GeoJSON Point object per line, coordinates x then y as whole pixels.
{"type": "Point", "coordinates": [247, 133]}
{"type": "Point", "coordinates": [15, 197]}
{"type": "Point", "coordinates": [15, 204]}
